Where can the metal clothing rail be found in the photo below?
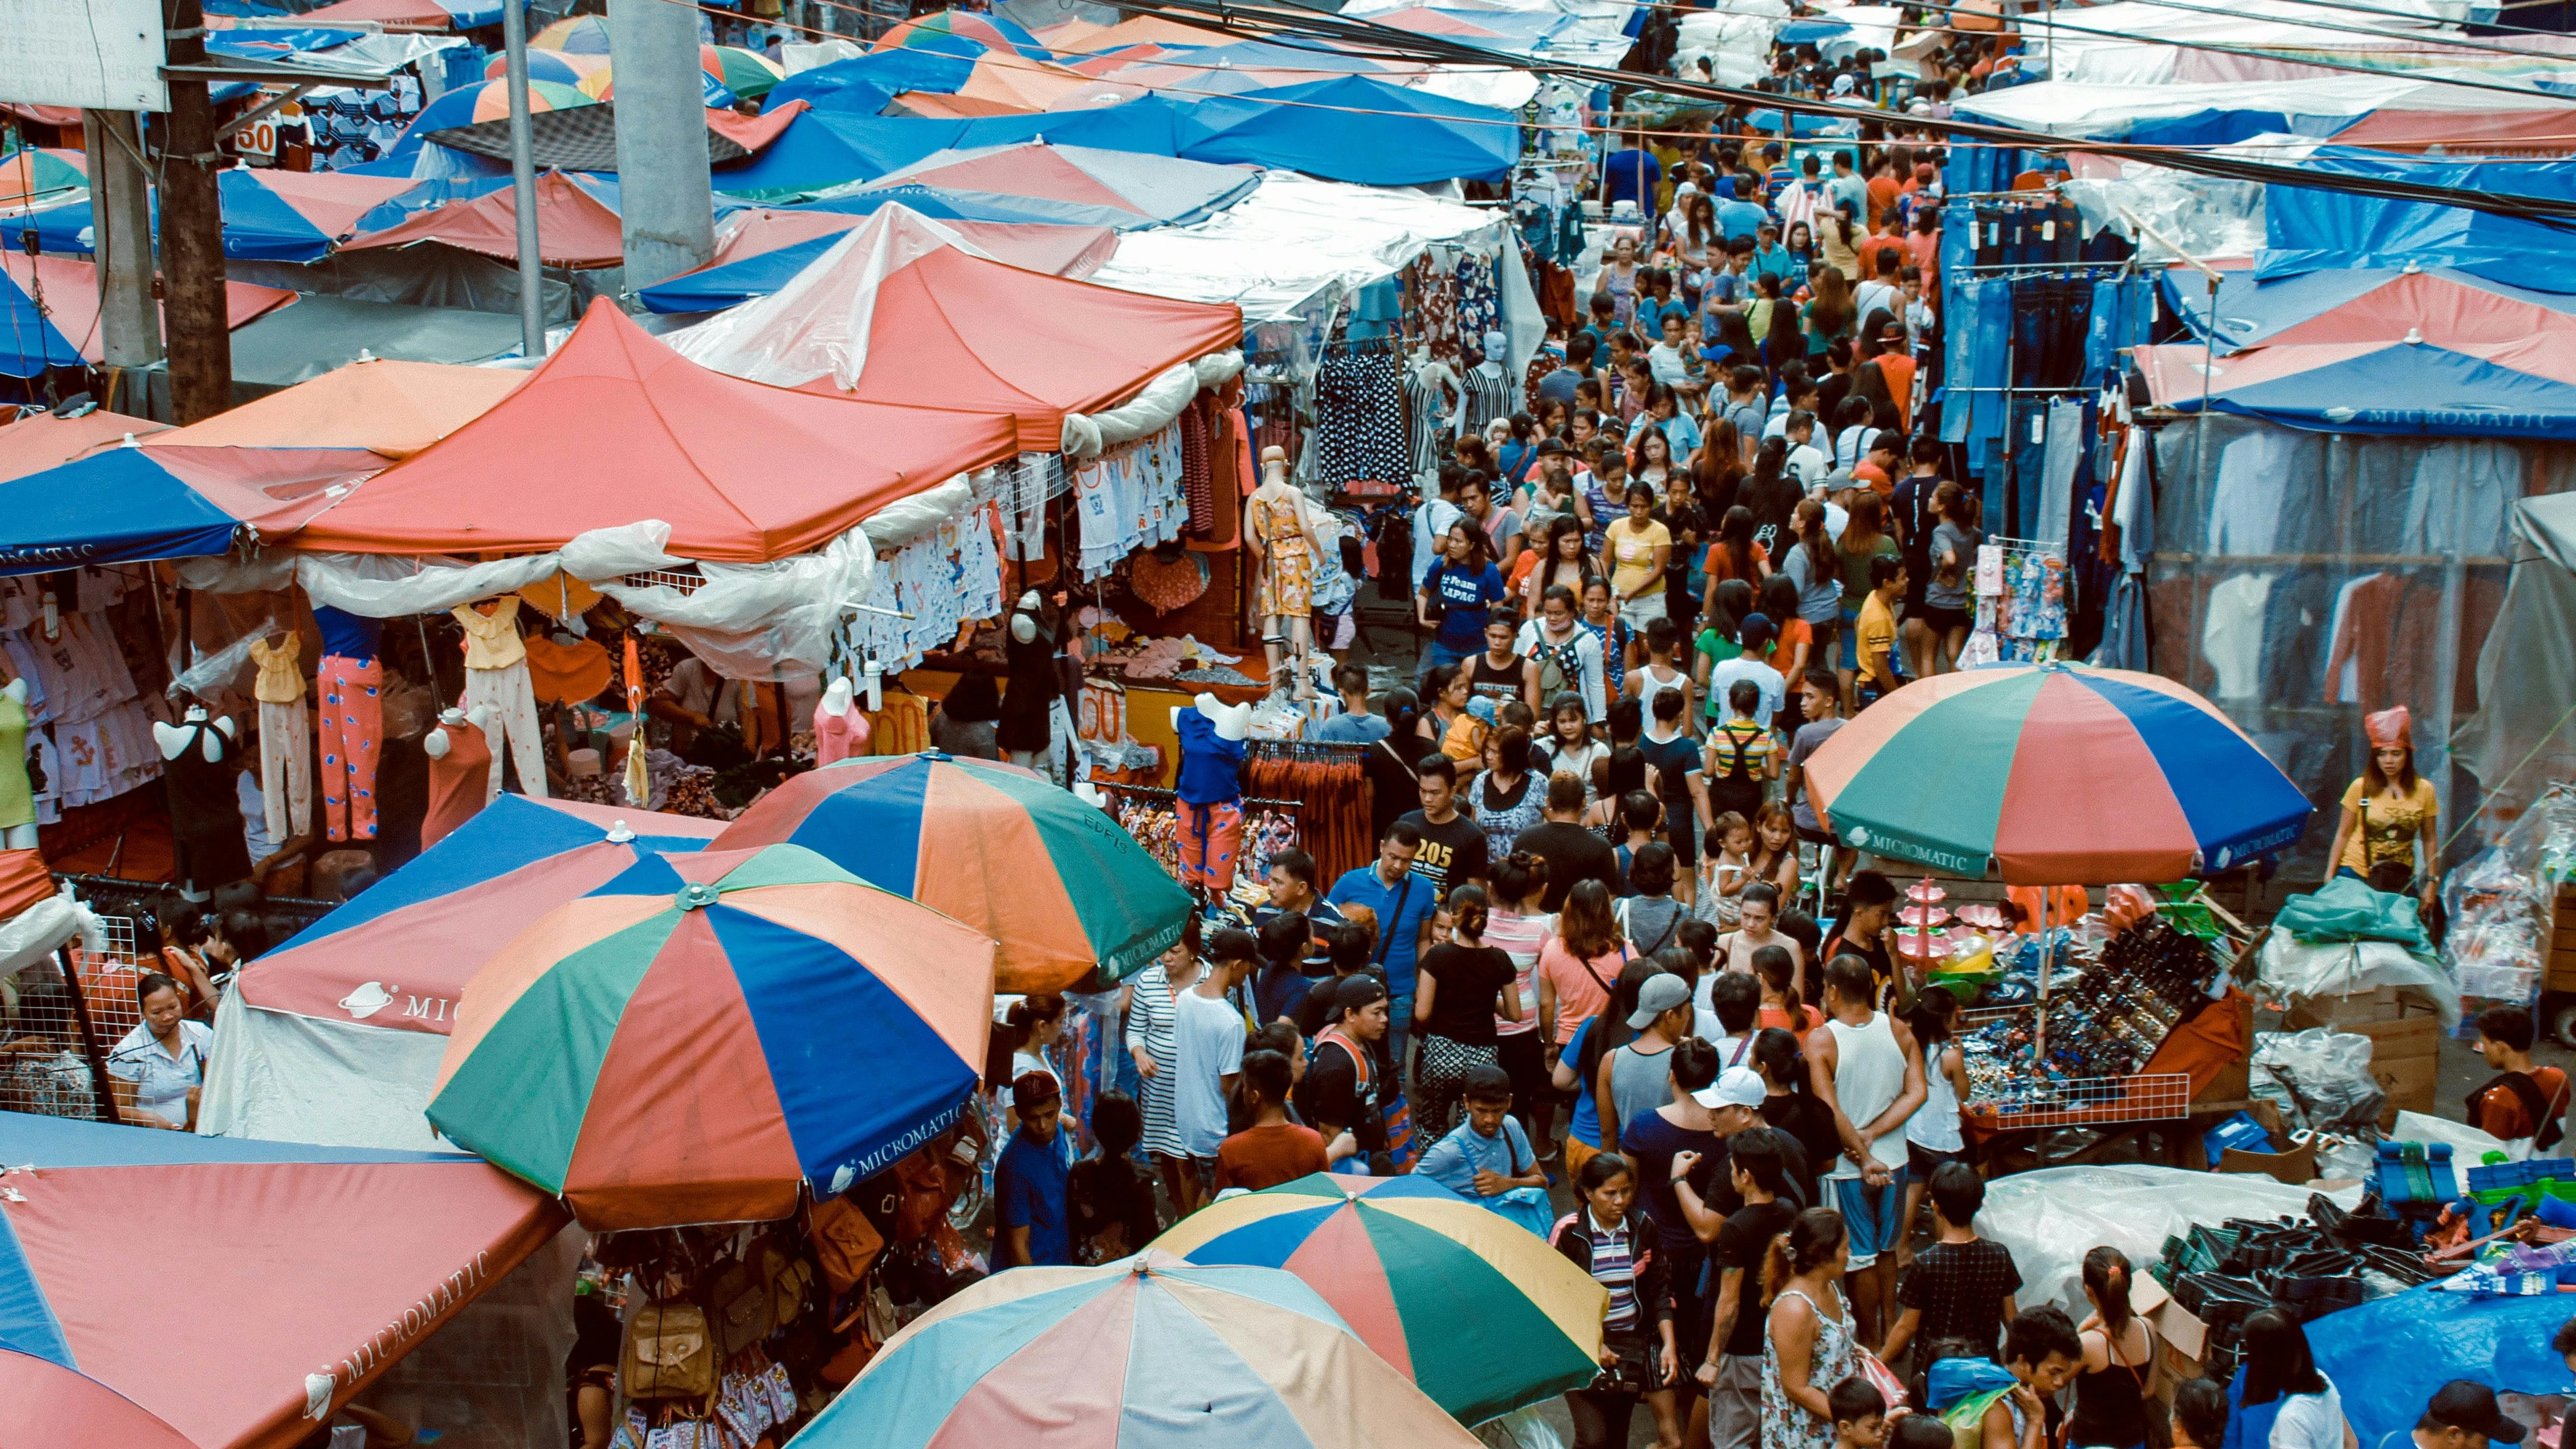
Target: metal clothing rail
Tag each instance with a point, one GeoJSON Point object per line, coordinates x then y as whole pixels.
{"type": "Point", "coordinates": [1157, 792]}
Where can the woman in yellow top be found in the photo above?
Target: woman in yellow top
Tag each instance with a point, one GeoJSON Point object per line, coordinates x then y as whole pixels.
{"type": "Point", "coordinates": [2390, 809]}
{"type": "Point", "coordinates": [1636, 549]}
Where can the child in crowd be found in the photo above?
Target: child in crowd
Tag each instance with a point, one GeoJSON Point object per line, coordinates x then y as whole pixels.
{"type": "Point", "coordinates": [1031, 1181]}
{"type": "Point", "coordinates": [1962, 1286]}
{"type": "Point", "coordinates": [1782, 1007]}
{"type": "Point", "coordinates": [1272, 1150]}
{"type": "Point", "coordinates": [1860, 1414]}
{"type": "Point", "coordinates": [1110, 1198]}
{"type": "Point", "coordinates": [1730, 851]}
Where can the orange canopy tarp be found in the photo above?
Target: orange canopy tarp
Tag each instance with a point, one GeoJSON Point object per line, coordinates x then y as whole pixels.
{"type": "Point", "coordinates": [958, 331]}
{"type": "Point", "coordinates": [931, 105]}
{"type": "Point", "coordinates": [617, 428]}
{"type": "Point", "coordinates": [574, 228]}
{"type": "Point", "coordinates": [1140, 30]}
{"type": "Point", "coordinates": [393, 14]}
{"type": "Point", "coordinates": [382, 405]}
{"type": "Point", "coordinates": [69, 286]}
{"type": "Point", "coordinates": [752, 133]}
{"type": "Point", "coordinates": [34, 444]}
{"type": "Point", "coordinates": [1058, 251]}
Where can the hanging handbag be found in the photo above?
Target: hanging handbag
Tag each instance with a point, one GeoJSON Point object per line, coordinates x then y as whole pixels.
{"type": "Point", "coordinates": [845, 1242]}
{"type": "Point", "coordinates": [669, 1353]}
{"type": "Point", "coordinates": [789, 1277]}
{"type": "Point", "coordinates": [741, 1298]}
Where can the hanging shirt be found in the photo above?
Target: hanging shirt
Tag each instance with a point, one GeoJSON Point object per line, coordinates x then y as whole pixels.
{"type": "Point", "coordinates": [492, 640]}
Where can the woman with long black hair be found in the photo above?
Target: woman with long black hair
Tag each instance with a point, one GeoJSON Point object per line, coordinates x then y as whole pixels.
{"type": "Point", "coordinates": [1772, 492]}
{"type": "Point", "coordinates": [2281, 1400]}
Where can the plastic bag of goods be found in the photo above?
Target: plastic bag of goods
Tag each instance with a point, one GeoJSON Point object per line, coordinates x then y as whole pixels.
{"type": "Point", "coordinates": [2328, 1072]}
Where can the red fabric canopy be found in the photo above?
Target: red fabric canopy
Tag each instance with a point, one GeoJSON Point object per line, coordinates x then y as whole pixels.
{"type": "Point", "coordinates": [753, 132]}
{"type": "Point", "coordinates": [399, 14]}
{"type": "Point", "coordinates": [69, 286]}
{"type": "Point", "coordinates": [952, 330]}
{"type": "Point", "coordinates": [2549, 132]}
{"type": "Point", "coordinates": [33, 444]}
{"type": "Point", "coordinates": [574, 228]}
{"type": "Point", "coordinates": [617, 428]}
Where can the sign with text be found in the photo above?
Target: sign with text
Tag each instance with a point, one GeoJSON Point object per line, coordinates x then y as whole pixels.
{"type": "Point", "coordinates": [104, 54]}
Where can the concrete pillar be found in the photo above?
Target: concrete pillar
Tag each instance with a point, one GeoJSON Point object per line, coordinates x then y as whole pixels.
{"type": "Point", "coordinates": [120, 205]}
{"type": "Point", "coordinates": [668, 212]}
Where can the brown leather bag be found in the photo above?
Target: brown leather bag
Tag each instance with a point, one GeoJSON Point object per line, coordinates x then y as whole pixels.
{"type": "Point", "coordinates": [790, 1277]}
{"type": "Point", "coordinates": [845, 1242]}
{"type": "Point", "coordinates": [669, 1353]}
{"type": "Point", "coordinates": [741, 1297]}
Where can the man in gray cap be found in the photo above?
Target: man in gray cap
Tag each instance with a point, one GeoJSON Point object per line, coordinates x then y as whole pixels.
{"type": "Point", "coordinates": [1635, 1079]}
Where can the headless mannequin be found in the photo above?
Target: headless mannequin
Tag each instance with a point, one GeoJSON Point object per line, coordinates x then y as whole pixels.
{"type": "Point", "coordinates": [1207, 808]}
{"type": "Point", "coordinates": [174, 738]}
{"type": "Point", "coordinates": [1294, 624]}
{"type": "Point", "coordinates": [1489, 367]}
{"type": "Point", "coordinates": [840, 728]}
{"type": "Point", "coordinates": [13, 766]}
{"type": "Point", "coordinates": [205, 813]}
{"type": "Point", "coordinates": [460, 750]}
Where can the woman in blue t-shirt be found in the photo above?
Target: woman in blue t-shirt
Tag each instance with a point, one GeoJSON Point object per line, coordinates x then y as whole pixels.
{"type": "Point", "coordinates": [1458, 594]}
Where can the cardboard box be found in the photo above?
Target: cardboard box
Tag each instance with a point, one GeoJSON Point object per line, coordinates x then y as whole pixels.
{"type": "Point", "coordinates": [2384, 1004]}
{"type": "Point", "coordinates": [2181, 1338]}
{"type": "Point", "coordinates": [2406, 1057]}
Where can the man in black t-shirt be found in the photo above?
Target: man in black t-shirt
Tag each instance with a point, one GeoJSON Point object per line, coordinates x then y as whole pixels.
{"type": "Point", "coordinates": [1453, 849]}
{"type": "Point", "coordinates": [1572, 853]}
{"type": "Point", "coordinates": [1731, 1371]}
{"type": "Point", "coordinates": [1910, 515]}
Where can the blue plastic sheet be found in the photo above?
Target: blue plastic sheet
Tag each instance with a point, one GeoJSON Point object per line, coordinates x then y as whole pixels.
{"type": "Point", "coordinates": [2387, 1357]}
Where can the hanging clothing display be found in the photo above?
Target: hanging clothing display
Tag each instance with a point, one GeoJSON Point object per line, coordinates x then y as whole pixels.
{"type": "Point", "coordinates": [1331, 794]}
{"type": "Point", "coordinates": [1489, 396]}
{"type": "Point", "coordinates": [352, 729]}
{"type": "Point", "coordinates": [944, 579]}
{"type": "Point", "coordinates": [460, 781]}
{"type": "Point", "coordinates": [1431, 300]}
{"type": "Point", "coordinates": [1431, 399]}
{"type": "Point", "coordinates": [1198, 477]}
{"type": "Point", "coordinates": [571, 673]}
{"type": "Point", "coordinates": [1359, 419]}
{"type": "Point", "coordinates": [2021, 603]}
{"type": "Point", "coordinates": [496, 678]}
{"type": "Point", "coordinates": [1130, 498]}
{"type": "Point", "coordinates": [205, 810]}
{"type": "Point", "coordinates": [17, 801]}
{"type": "Point", "coordinates": [88, 729]}
{"type": "Point", "coordinates": [1480, 298]}
{"type": "Point", "coordinates": [285, 770]}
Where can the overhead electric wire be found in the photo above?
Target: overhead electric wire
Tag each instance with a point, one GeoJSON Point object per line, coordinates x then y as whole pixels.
{"type": "Point", "coordinates": [1362, 37]}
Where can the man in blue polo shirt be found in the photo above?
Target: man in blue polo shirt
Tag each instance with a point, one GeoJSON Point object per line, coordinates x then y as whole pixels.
{"type": "Point", "coordinates": [1741, 215]}
{"type": "Point", "coordinates": [1404, 907]}
{"type": "Point", "coordinates": [1029, 1181]}
{"type": "Point", "coordinates": [1632, 175]}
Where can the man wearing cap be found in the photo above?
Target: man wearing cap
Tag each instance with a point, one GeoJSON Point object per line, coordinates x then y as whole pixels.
{"type": "Point", "coordinates": [2462, 1415]}
{"type": "Point", "coordinates": [1636, 1079]}
{"type": "Point", "coordinates": [1029, 1180]}
{"type": "Point", "coordinates": [1695, 1120]}
{"type": "Point", "coordinates": [1769, 256]}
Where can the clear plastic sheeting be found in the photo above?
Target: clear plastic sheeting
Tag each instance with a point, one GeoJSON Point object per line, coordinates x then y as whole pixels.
{"type": "Point", "coordinates": [46, 927]}
{"type": "Point", "coordinates": [492, 1377]}
{"type": "Point", "coordinates": [2501, 901]}
{"type": "Point", "coordinates": [2206, 216]}
{"type": "Point", "coordinates": [2288, 967]}
{"type": "Point", "coordinates": [2301, 580]}
{"type": "Point", "coordinates": [1088, 435]}
{"type": "Point", "coordinates": [2051, 1218]}
{"type": "Point", "coordinates": [2523, 736]}
{"type": "Point", "coordinates": [212, 671]}
{"type": "Point", "coordinates": [2327, 1073]}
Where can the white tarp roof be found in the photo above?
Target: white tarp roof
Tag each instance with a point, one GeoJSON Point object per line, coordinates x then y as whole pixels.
{"type": "Point", "coordinates": [1292, 240]}
{"type": "Point", "coordinates": [2105, 112]}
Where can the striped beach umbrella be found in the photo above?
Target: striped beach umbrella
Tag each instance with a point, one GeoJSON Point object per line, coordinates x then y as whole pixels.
{"type": "Point", "coordinates": [694, 1039]}
{"type": "Point", "coordinates": [1148, 1350]}
{"type": "Point", "coordinates": [1478, 1311]}
{"type": "Point", "coordinates": [557, 67]}
{"type": "Point", "coordinates": [1057, 885]}
{"type": "Point", "coordinates": [963, 32]}
{"type": "Point", "coordinates": [2053, 774]}
{"type": "Point", "coordinates": [579, 34]}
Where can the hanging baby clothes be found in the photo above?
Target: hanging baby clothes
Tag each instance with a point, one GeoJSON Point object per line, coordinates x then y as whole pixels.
{"type": "Point", "coordinates": [496, 676]}
{"type": "Point", "coordinates": [571, 673]}
{"type": "Point", "coordinates": [1130, 498]}
{"type": "Point", "coordinates": [1480, 299]}
{"type": "Point", "coordinates": [351, 680]}
{"type": "Point", "coordinates": [839, 736]}
{"type": "Point", "coordinates": [460, 781]}
{"type": "Point", "coordinates": [1359, 419]}
{"type": "Point", "coordinates": [205, 809]}
{"type": "Point", "coordinates": [944, 578]}
{"type": "Point", "coordinates": [285, 774]}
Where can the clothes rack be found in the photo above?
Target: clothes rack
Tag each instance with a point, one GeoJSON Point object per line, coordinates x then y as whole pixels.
{"type": "Point", "coordinates": [1328, 781]}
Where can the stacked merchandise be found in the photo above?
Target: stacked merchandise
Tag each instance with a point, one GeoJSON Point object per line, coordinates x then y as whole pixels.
{"type": "Point", "coordinates": [88, 729]}
{"type": "Point", "coordinates": [2021, 589]}
{"type": "Point", "coordinates": [2226, 1274]}
{"type": "Point", "coordinates": [2105, 1021]}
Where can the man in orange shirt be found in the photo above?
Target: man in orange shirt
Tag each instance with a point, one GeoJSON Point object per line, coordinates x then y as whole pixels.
{"type": "Point", "coordinates": [2524, 1100]}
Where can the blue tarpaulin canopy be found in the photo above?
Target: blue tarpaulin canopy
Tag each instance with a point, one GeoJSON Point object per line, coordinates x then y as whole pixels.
{"type": "Point", "coordinates": [2519, 389]}
{"type": "Point", "coordinates": [1355, 128]}
{"type": "Point", "coordinates": [823, 149]}
{"type": "Point", "coordinates": [155, 501]}
{"type": "Point", "coordinates": [2387, 1357]}
{"type": "Point", "coordinates": [263, 224]}
{"type": "Point", "coordinates": [757, 276]}
{"type": "Point", "coordinates": [863, 84]}
{"type": "Point", "coordinates": [29, 341]}
{"type": "Point", "coordinates": [2306, 229]}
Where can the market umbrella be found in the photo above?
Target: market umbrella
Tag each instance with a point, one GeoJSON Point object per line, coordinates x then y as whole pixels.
{"type": "Point", "coordinates": [1140, 1352]}
{"type": "Point", "coordinates": [1060, 888]}
{"type": "Point", "coordinates": [1479, 1312]}
{"type": "Point", "coordinates": [580, 35]}
{"type": "Point", "coordinates": [697, 1038]}
{"type": "Point", "coordinates": [560, 67]}
{"type": "Point", "coordinates": [35, 176]}
{"type": "Point", "coordinates": [2053, 774]}
{"type": "Point", "coordinates": [962, 32]}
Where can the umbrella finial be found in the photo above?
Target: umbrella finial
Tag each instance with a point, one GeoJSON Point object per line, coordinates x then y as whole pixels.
{"type": "Point", "coordinates": [697, 896]}
{"type": "Point", "coordinates": [619, 834]}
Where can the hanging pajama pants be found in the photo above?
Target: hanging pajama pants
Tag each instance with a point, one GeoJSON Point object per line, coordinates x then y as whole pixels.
{"type": "Point", "coordinates": [285, 769]}
{"type": "Point", "coordinates": [353, 725]}
{"type": "Point", "coordinates": [1208, 837]}
{"type": "Point", "coordinates": [514, 719]}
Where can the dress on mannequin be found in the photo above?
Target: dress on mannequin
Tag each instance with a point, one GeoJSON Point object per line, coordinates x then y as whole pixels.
{"type": "Point", "coordinates": [459, 747]}
{"type": "Point", "coordinates": [285, 764]}
{"type": "Point", "coordinates": [17, 800]}
{"type": "Point", "coordinates": [840, 727]}
{"type": "Point", "coordinates": [1028, 717]}
{"type": "Point", "coordinates": [496, 677]}
{"type": "Point", "coordinates": [205, 808]}
{"type": "Point", "coordinates": [351, 680]}
{"type": "Point", "coordinates": [1207, 809]}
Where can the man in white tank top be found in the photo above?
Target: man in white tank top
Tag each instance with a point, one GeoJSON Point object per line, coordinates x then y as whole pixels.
{"type": "Point", "coordinates": [1864, 1066]}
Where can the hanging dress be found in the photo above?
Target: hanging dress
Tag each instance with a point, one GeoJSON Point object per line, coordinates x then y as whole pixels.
{"type": "Point", "coordinates": [1288, 578]}
{"type": "Point", "coordinates": [1027, 722]}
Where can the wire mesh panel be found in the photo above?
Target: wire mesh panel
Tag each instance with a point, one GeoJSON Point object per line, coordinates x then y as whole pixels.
{"type": "Point", "coordinates": [2075, 1101]}
{"type": "Point", "coordinates": [108, 980]}
{"type": "Point", "coordinates": [42, 1065]}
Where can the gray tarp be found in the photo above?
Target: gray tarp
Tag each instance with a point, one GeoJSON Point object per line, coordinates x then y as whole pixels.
{"type": "Point", "coordinates": [2521, 737]}
{"type": "Point", "coordinates": [296, 344]}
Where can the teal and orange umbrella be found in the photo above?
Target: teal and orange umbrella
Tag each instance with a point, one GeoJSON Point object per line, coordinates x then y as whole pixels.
{"type": "Point", "coordinates": [579, 34]}
{"type": "Point", "coordinates": [2053, 774]}
{"type": "Point", "coordinates": [1061, 889]}
{"type": "Point", "coordinates": [694, 1040]}
{"type": "Point", "coordinates": [39, 176]}
{"type": "Point", "coordinates": [1482, 1314]}
{"type": "Point", "coordinates": [963, 33]}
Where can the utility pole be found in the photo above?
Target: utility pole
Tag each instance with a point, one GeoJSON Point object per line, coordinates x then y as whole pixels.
{"type": "Point", "coordinates": [523, 179]}
{"type": "Point", "coordinates": [192, 230]}
{"type": "Point", "coordinates": [121, 211]}
{"type": "Point", "coordinates": [667, 212]}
